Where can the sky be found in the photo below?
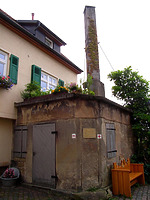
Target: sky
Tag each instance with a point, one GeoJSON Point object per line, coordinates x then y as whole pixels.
{"type": "Point", "coordinates": [122, 29]}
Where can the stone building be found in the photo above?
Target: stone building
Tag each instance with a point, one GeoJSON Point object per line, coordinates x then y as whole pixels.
{"type": "Point", "coordinates": [64, 141]}
{"type": "Point", "coordinates": [71, 140]}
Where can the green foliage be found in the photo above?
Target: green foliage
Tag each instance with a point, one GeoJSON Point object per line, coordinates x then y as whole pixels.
{"type": "Point", "coordinates": [129, 86]}
{"type": "Point", "coordinates": [32, 90]}
{"type": "Point", "coordinates": [87, 85]}
{"type": "Point", "coordinates": [92, 48]}
{"type": "Point", "coordinates": [135, 159]}
{"type": "Point", "coordinates": [74, 88]}
{"type": "Point", "coordinates": [147, 172]}
{"type": "Point", "coordinates": [60, 89]}
{"type": "Point", "coordinates": [134, 90]}
{"type": "Point", "coordinates": [93, 189]}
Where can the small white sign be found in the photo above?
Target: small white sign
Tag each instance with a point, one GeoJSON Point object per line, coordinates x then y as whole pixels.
{"type": "Point", "coordinates": [73, 136]}
{"type": "Point", "coordinates": [99, 136]}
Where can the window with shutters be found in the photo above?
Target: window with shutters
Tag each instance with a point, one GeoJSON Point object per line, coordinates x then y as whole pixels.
{"type": "Point", "coordinates": [48, 82]}
{"type": "Point", "coordinates": [111, 140]}
{"type": "Point", "coordinates": [3, 63]}
{"type": "Point", "coordinates": [13, 69]}
{"type": "Point", "coordinates": [45, 80]}
{"type": "Point", "coordinates": [20, 141]}
{"type": "Point", "coordinates": [61, 82]}
{"type": "Point", "coordinates": [36, 74]}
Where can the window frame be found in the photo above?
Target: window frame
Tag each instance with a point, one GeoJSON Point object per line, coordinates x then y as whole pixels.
{"type": "Point", "coordinates": [4, 62]}
{"type": "Point", "coordinates": [49, 42]}
{"type": "Point", "coordinates": [47, 81]}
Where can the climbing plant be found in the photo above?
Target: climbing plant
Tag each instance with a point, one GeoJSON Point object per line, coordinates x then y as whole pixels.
{"type": "Point", "coordinates": [92, 48]}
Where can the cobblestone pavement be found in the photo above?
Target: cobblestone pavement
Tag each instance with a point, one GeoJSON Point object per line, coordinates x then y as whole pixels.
{"type": "Point", "coordinates": [138, 193]}
{"type": "Point", "coordinates": [32, 193]}
{"type": "Point", "coordinates": [22, 193]}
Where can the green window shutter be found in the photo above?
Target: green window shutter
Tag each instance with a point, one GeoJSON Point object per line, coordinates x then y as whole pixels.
{"type": "Point", "coordinates": [13, 70]}
{"type": "Point", "coordinates": [36, 74]}
{"type": "Point", "coordinates": [61, 83]}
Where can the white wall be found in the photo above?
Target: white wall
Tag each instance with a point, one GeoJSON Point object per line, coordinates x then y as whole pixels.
{"type": "Point", "coordinates": [28, 55]}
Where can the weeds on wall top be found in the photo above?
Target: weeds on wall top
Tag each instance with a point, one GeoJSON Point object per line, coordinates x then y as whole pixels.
{"type": "Point", "coordinates": [34, 90]}
{"type": "Point", "coordinates": [59, 89]}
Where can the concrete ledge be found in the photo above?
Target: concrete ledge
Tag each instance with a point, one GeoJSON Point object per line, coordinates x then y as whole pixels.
{"type": "Point", "coordinates": [61, 96]}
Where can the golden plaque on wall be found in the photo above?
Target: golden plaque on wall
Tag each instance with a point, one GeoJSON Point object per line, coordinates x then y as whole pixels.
{"type": "Point", "coordinates": [89, 133]}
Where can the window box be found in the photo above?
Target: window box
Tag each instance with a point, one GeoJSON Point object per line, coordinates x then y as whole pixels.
{"type": "Point", "coordinates": [5, 82]}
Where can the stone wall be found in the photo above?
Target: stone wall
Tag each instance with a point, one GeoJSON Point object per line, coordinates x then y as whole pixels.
{"type": "Point", "coordinates": [20, 164]}
{"type": "Point", "coordinates": [81, 163]}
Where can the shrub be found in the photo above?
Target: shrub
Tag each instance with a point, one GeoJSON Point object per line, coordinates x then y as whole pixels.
{"type": "Point", "coordinates": [32, 90]}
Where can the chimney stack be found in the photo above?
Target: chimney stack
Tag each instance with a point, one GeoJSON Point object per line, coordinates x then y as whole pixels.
{"type": "Point", "coordinates": [32, 16]}
{"type": "Point", "coordinates": [91, 49]}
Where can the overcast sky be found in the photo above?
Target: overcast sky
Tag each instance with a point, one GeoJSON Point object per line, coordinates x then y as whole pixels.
{"type": "Point", "coordinates": [122, 27]}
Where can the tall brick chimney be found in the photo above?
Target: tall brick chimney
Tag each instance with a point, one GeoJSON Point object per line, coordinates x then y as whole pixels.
{"type": "Point", "coordinates": [91, 49]}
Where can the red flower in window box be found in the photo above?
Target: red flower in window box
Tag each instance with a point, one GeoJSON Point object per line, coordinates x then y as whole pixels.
{"type": "Point", "coordinates": [5, 82]}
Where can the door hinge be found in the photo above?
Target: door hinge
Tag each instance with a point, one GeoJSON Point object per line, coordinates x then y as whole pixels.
{"type": "Point", "coordinates": [112, 151]}
{"type": "Point", "coordinates": [54, 132]}
{"type": "Point", "coordinates": [54, 177]}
